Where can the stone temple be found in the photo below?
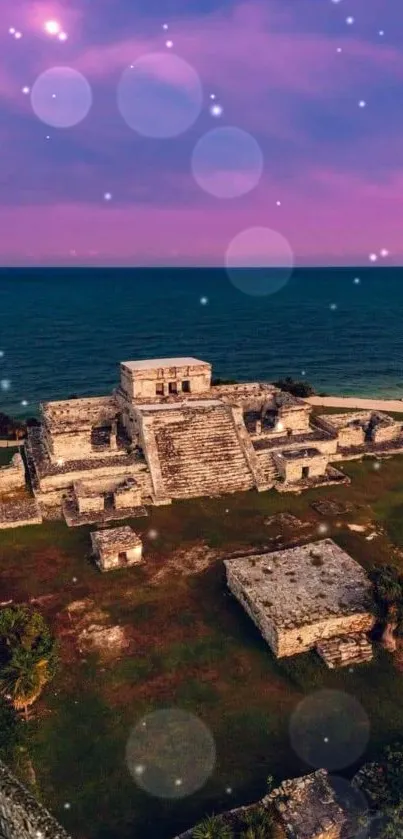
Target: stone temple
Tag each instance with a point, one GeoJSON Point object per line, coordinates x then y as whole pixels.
{"type": "Point", "coordinates": [167, 433]}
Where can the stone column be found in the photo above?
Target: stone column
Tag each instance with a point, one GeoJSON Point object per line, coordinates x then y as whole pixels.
{"type": "Point", "coordinates": [113, 437]}
{"type": "Point", "coordinates": [258, 428]}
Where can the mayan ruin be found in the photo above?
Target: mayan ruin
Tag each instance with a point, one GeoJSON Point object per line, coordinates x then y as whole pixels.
{"type": "Point", "coordinates": [167, 433]}
{"type": "Point", "coordinates": [302, 808]}
{"type": "Point", "coordinates": [310, 597]}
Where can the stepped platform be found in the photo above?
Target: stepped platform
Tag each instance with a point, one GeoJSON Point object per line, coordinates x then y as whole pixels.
{"type": "Point", "coordinates": [345, 650]}
{"type": "Point", "coordinates": [331, 477]}
{"type": "Point", "coordinates": [74, 518]}
{"type": "Point", "coordinates": [194, 450]}
{"type": "Point", "coordinates": [19, 509]}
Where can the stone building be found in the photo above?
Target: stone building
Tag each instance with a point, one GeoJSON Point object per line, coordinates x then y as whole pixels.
{"type": "Point", "coordinates": [362, 429]}
{"type": "Point", "coordinates": [21, 815]}
{"type": "Point", "coordinates": [172, 433]}
{"type": "Point", "coordinates": [118, 547]}
{"type": "Point", "coordinates": [310, 597]}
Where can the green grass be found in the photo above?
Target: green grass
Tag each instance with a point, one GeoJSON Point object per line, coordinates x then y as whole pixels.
{"type": "Point", "coordinates": [6, 455]}
{"type": "Point", "coordinates": [194, 648]}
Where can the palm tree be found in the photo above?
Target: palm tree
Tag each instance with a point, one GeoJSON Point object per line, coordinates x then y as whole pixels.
{"type": "Point", "coordinates": [27, 656]}
{"type": "Point", "coordinates": [258, 824]}
{"type": "Point", "coordinates": [212, 827]}
{"type": "Point", "coordinates": [23, 679]}
{"type": "Point", "coordinates": [388, 597]}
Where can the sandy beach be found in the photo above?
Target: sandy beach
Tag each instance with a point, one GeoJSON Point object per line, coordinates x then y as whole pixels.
{"type": "Point", "coordinates": [356, 403]}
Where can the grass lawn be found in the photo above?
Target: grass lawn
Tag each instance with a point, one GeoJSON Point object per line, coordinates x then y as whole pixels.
{"type": "Point", "coordinates": [6, 454]}
{"type": "Point", "coordinates": [192, 647]}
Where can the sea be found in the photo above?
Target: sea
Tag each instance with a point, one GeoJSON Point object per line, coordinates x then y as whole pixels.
{"type": "Point", "coordinates": [64, 331]}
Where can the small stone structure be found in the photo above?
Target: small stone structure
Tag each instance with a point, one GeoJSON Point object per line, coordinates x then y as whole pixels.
{"type": "Point", "coordinates": [127, 495]}
{"type": "Point", "coordinates": [12, 476]}
{"type": "Point", "coordinates": [164, 377]}
{"type": "Point", "coordinates": [118, 547]}
{"type": "Point", "coordinates": [21, 815]}
{"type": "Point", "coordinates": [362, 427]}
{"type": "Point", "coordinates": [307, 807]}
{"type": "Point", "coordinates": [301, 597]}
{"type": "Point", "coordinates": [88, 498]}
{"type": "Point", "coordinates": [299, 464]}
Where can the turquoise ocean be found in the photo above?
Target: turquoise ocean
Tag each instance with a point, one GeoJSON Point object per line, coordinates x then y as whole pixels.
{"type": "Point", "coordinates": [64, 331]}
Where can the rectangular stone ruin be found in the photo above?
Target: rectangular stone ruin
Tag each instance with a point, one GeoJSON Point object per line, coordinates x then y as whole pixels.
{"type": "Point", "coordinates": [127, 495]}
{"type": "Point", "coordinates": [164, 377]}
{"type": "Point", "coordinates": [88, 498]}
{"type": "Point", "coordinates": [330, 507]}
{"type": "Point", "coordinates": [118, 547]}
{"type": "Point", "coordinates": [361, 427]}
{"type": "Point", "coordinates": [307, 807]}
{"type": "Point", "coordinates": [302, 596]}
{"type": "Point", "coordinates": [300, 464]}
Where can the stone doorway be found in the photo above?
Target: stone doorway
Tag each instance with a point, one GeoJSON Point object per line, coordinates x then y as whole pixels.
{"type": "Point", "coordinates": [122, 557]}
{"type": "Point", "coordinates": [172, 387]}
{"type": "Point", "coordinates": [305, 472]}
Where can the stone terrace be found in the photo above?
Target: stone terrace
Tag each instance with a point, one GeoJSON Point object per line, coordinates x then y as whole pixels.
{"type": "Point", "coordinates": [78, 413]}
{"type": "Point", "coordinates": [44, 466]}
{"type": "Point", "coordinates": [300, 596]}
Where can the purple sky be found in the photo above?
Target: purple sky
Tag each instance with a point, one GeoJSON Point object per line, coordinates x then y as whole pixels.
{"type": "Point", "coordinates": [291, 73]}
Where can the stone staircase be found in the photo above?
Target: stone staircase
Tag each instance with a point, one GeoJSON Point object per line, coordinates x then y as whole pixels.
{"type": "Point", "coordinates": [199, 452]}
{"type": "Point", "coordinates": [267, 466]}
{"type": "Point", "coordinates": [345, 650]}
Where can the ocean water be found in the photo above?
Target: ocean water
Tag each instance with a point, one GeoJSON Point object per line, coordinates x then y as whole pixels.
{"type": "Point", "coordinates": [64, 331]}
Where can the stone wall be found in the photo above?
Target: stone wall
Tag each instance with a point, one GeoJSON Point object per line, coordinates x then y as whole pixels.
{"type": "Point", "coordinates": [351, 436]}
{"type": "Point", "coordinates": [386, 433]}
{"type": "Point", "coordinates": [142, 382]}
{"type": "Point", "coordinates": [90, 411]}
{"type": "Point", "coordinates": [21, 816]}
{"type": "Point", "coordinates": [296, 419]}
{"type": "Point", "coordinates": [127, 495]}
{"type": "Point", "coordinates": [149, 445]}
{"type": "Point", "coordinates": [90, 503]}
{"type": "Point", "coordinates": [291, 469]}
{"type": "Point", "coordinates": [293, 641]}
{"type": "Point", "coordinates": [12, 476]}
{"type": "Point", "coordinates": [350, 428]}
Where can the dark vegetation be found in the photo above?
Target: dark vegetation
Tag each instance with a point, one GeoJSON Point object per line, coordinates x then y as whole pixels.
{"type": "Point", "coordinates": [296, 388]}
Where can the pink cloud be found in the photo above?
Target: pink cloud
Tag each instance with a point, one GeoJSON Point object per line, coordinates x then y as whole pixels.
{"type": "Point", "coordinates": [339, 224]}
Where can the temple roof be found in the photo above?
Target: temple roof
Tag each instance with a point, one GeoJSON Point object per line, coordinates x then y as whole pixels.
{"type": "Point", "coordinates": [152, 363]}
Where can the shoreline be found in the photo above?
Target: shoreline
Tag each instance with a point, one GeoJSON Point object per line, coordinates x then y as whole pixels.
{"type": "Point", "coordinates": [356, 403]}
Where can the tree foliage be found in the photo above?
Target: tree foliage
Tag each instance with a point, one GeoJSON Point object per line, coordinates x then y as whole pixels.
{"type": "Point", "coordinates": [212, 827]}
{"type": "Point", "coordinates": [388, 593]}
{"type": "Point", "coordinates": [28, 656]}
{"type": "Point", "coordinates": [296, 388]}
